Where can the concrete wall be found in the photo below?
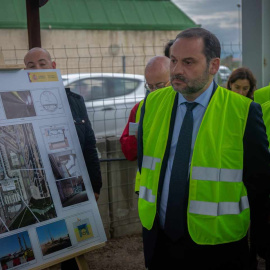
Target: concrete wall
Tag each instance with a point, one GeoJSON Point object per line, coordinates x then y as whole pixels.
{"type": "Point", "coordinates": [118, 201]}
{"type": "Point", "coordinates": [256, 40]}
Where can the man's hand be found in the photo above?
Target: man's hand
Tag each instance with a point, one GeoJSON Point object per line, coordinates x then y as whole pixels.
{"type": "Point", "coordinates": [96, 196]}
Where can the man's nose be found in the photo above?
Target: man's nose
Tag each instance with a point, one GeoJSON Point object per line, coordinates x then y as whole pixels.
{"type": "Point", "coordinates": [177, 69]}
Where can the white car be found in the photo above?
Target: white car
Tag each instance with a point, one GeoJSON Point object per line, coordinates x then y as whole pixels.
{"type": "Point", "coordinates": [224, 73]}
{"type": "Point", "coordinates": [109, 98]}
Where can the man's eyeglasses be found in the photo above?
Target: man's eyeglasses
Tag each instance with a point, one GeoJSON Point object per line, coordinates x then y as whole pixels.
{"type": "Point", "coordinates": [152, 87]}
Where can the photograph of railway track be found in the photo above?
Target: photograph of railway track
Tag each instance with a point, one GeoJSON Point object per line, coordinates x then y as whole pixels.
{"type": "Point", "coordinates": [23, 102]}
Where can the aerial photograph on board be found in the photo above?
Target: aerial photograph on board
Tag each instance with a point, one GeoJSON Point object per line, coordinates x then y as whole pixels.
{"type": "Point", "coordinates": [25, 197]}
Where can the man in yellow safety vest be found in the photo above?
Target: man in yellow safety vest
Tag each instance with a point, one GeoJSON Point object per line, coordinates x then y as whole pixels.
{"type": "Point", "coordinates": [157, 75]}
{"type": "Point", "coordinates": [204, 163]}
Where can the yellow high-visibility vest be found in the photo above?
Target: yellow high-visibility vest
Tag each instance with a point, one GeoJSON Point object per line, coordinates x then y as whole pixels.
{"type": "Point", "coordinates": [218, 208]}
{"type": "Point", "coordinates": [266, 118]}
{"type": "Point", "coordinates": [262, 95]}
{"type": "Point", "coordinates": [138, 115]}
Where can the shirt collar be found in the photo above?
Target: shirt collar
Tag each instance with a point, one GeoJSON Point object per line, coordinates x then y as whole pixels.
{"type": "Point", "coordinates": [202, 99]}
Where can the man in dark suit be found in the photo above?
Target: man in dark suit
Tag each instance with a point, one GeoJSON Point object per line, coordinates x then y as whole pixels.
{"type": "Point", "coordinates": [204, 163]}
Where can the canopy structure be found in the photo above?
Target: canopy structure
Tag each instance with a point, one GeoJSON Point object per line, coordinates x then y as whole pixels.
{"type": "Point", "coordinates": [99, 15]}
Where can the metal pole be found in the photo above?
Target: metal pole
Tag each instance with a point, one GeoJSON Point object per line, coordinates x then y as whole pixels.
{"type": "Point", "coordinates": [33, 23]}
{"type": "Point", "coordinates": [124, 63]}
{"type": "Point", "coordinates": [239, 22]}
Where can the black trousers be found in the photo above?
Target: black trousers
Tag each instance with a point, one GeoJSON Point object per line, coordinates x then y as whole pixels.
{"type": "Point", "coordinates": [185, 254]}
{"type": "Point", "coordinates": [70, 264]}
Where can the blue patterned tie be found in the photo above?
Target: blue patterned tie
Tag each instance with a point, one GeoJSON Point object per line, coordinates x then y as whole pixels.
{"type": "Point", "coordinates": [176, 207]}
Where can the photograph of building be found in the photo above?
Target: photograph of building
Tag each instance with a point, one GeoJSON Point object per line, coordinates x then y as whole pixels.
{"type": "Point", "coordinates": [25, 197]}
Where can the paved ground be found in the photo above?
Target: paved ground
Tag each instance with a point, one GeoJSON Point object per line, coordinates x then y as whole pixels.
{"type": "Point", "coordinates": [125, 253]}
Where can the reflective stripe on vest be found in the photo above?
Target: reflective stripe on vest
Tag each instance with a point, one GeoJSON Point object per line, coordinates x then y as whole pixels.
{"type": "Point", "coordinates": [218, 209]}
{"type": "Point", "coordinates": [146, 194]}
{"type": "Point", "coordinates": [150, 162]}
{"type": "Point", "coordinates": [214, 174]}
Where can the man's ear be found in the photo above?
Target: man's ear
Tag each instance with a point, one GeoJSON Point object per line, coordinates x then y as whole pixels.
{"type": "Point", "coordinates": [53, 64]}
{"type": "Point", "coordinates": [214, 66]}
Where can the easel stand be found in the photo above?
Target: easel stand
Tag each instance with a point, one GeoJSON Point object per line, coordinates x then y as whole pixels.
{"type": "Point", "coordinates": [81, 262]}
{"type": "Point", "coordinates": [79, 256]}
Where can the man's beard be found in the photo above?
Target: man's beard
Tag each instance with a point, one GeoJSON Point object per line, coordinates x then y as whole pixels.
{"type": "Point", "coordinates": [192, 86]}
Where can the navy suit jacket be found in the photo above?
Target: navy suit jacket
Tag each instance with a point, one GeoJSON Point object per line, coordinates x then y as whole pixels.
{"type": "Point", "coordinates": [256, 176]}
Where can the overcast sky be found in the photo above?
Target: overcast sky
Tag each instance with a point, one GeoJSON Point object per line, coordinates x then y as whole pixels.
{"type": "Point", "coordinates": [221, 17]}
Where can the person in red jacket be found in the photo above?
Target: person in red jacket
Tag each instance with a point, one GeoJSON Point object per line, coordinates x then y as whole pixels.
{"type": "Point", "coordinates": [157, 75]}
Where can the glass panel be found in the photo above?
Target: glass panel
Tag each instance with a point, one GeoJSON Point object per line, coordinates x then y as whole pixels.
{"type": "Point", "coordinates": [90, 89]}
{"type": "Point", "coordinates": [121, 86]}
{"type": "Point", "coordinates": [101, 88]}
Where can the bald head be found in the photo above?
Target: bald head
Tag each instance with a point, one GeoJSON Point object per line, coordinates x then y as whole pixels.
{"type": "Point", "coordinates": [157, 72]}
{"type": "Point", "coordinates": [38, 58]}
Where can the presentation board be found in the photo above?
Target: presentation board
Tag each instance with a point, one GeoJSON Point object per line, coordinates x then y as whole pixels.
{"type": "Point", "coordinates": [47, 206]}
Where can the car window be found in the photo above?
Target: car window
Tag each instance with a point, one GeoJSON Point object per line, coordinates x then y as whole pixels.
{"type": "Point", "coordinates": [121, 86]}
{"type": "Point", "coordinates": [224, 71]}
{"type": "Point", "coordinates": [90, 89]}
{"type": "Point", "coordinates": [101, 88]}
